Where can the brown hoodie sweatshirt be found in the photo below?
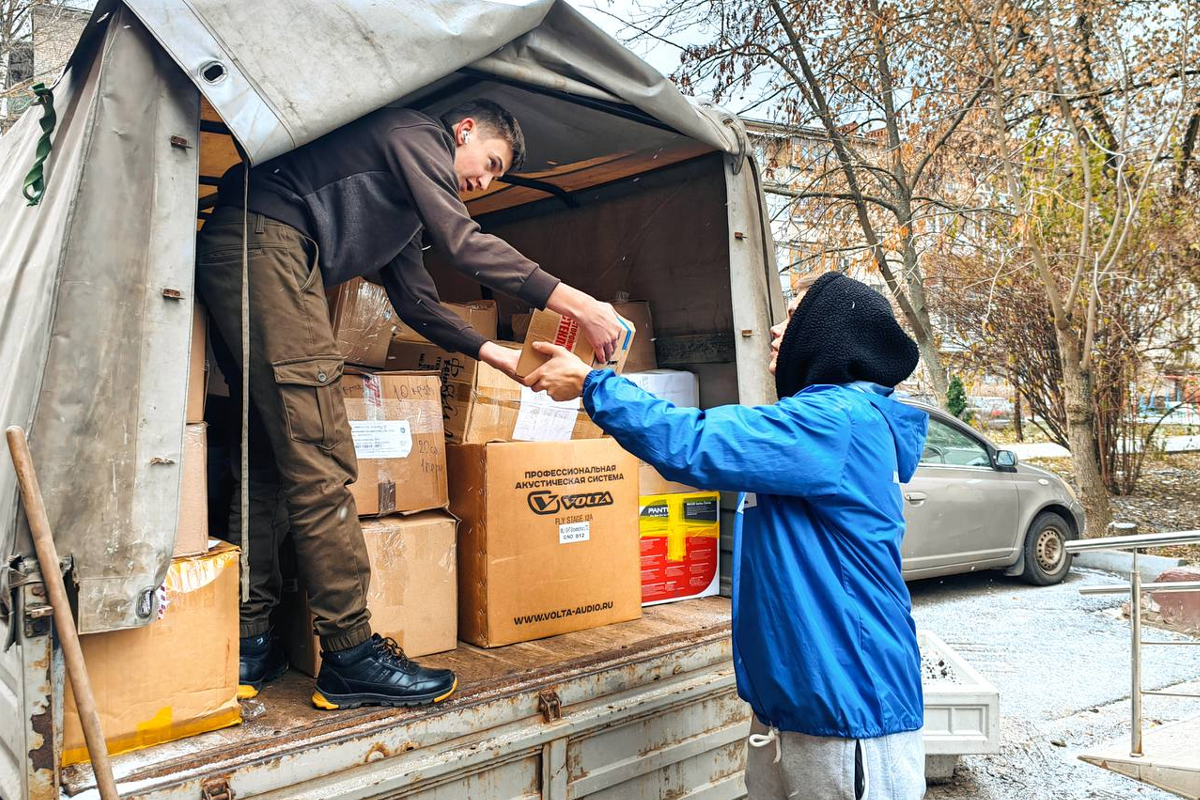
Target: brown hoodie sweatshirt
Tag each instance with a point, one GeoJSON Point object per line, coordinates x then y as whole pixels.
{"type": "Point", "coordinates": [365, 193]}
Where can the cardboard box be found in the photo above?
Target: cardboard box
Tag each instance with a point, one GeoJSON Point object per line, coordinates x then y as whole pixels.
{"type": "Point", "coordinates": [673, 385]}
{"type": "Point", "coordinates": [197, 365]}
{"type": "Point", "coordinates": [641, 353]}
{"type": "Point", "coordinates": [681, 546]}
{"type": "Point", "coordinates": [549, 326]}
{"type": "Point", "coordinates": [547, 543]}
{"type": "Point", "coordinates": [174, 678]}
{"type": "Point", "coordinates": [481, 404]}
{"type": "Point", "coordinates": [479, 314]}
{"type": "Point", "coordinates": [651, 481]}
{"type": "Point", "coordinates": [680, 388]}
{"type": "Point", "coordinates": [396, 421]}
{"type": "Point", "coordinates": [191, 532]}
{"type": "Point", "coordinates": [413, 596]}
{"type": "Point", "coordinates": [520, 325]}
{"type": "Point", "coordinates": [363, 322]}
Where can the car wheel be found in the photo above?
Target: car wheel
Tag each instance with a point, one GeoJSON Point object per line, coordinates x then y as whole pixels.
{"type": "Point", "coordinates": [1046, 558]}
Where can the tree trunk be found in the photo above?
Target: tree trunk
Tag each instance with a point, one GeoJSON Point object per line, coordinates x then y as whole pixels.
{"type": "Point", "coordinates": [934, 370]}
{"type": "Point", "coordinates": [921, 324]}
{"type": "Point", "coordinates": [1018, 422]}
{"type": "Point", "coordinates": [1081, 433]}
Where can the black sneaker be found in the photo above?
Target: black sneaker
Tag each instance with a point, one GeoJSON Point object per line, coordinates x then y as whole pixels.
{"type": "Point", "coordinates": [377, 673]}
{"type": "Point", "coordinates": [260, 659]}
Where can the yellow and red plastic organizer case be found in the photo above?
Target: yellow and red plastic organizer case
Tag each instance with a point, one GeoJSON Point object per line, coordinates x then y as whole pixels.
{"type": "Point", "coordinates": [680, 538]}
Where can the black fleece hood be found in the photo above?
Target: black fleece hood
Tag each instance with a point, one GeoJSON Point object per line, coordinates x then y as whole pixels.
{"type": "Point", "coordinates": [843, 331]}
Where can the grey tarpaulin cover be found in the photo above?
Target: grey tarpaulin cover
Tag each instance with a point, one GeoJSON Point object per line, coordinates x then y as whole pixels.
{"type": "Point", "coordinates": [92, 341]}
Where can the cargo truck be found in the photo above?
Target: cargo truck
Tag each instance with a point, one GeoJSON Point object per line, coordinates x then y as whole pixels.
{"type": "Point", "coordinates": [630, 188]}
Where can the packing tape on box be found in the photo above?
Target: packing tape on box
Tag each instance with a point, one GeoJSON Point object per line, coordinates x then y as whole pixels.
{"type": "Point", "coordinates": [373, 397]}
{"type": "Point", "coordinates": [189, 574]}
{"type": "Point", "coordinates": [162, 728]}
{"type": "Point", "coordinates": [387, 492]}
{"type": "Point", "coordinates": [422, 415]}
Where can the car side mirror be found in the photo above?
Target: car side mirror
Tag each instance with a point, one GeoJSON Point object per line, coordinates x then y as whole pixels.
{"type": "Point", "coordinates": [1006, 459]}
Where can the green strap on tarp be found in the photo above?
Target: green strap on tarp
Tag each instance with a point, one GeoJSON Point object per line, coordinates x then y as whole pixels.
{"type": "Point", "coordinates": [35, 184]}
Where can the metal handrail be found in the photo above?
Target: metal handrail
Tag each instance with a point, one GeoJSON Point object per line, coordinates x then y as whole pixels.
{"type": "Point", "coordinates": [1166, 587]}
{"type": "Point", "coordinates": [1135, 542]}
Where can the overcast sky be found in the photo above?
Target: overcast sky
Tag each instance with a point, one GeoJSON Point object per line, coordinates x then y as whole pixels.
{"type": "Point", "coordinates": [663, 57]}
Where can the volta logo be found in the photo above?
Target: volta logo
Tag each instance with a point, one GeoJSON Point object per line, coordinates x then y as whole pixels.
{"type": "Point", "coordinates": [543, 502]}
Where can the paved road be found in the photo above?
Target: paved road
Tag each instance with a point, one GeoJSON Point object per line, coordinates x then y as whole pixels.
{"type": "Point", "coordinates": [1061, 663]}
{"type": "Point", "coordinates": [1171, 444]}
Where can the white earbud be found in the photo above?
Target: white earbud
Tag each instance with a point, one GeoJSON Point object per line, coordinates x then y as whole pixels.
{"type": "Point", "coordinates": [466, 137]}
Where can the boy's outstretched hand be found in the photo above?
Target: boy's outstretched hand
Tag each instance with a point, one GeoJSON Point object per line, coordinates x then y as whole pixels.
{"type": "Point", "coordinates": [562, 376]}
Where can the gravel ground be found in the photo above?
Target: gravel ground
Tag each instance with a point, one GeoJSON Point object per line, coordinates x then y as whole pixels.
{"type": "Point", "coordinates": [1061, 663]}
{"type": "Point", "coordinates": [1167, 498]}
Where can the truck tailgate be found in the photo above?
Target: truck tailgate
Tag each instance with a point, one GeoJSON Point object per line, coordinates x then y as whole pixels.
{"type": "Point", "coordinates": [529, 720]}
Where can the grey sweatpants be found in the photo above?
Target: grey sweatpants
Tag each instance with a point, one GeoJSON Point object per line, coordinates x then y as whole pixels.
{"type": "Point", "coordinates": [823, 768]}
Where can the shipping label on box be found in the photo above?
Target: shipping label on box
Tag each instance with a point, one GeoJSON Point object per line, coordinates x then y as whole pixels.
{"type": "Point", "coordinates": [363, 321]}
{"type": "Point", "coordinates": [396, 422]}
{"type": "Point", "coordinates": [549, 326]}
{"type": "Point", "coordinates": [680, 546]}
{"type": "Point", "coordinates": [479, 314]}
{"type": "Point", "coordinates": [481, 404]}
{"type": "Point", "coordinates": [174, 678]}
{"type": "Point", "coordinates": [413, 595]}
{"type": "Point", "coordinates": [547, 543]}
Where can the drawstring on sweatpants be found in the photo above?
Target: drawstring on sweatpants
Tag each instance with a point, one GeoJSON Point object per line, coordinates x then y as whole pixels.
{"type": "Point", "coordinates": [762, 740]}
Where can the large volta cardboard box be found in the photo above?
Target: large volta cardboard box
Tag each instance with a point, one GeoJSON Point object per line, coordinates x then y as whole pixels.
{"type": "Point", "coordinates": [413, 596]}
{"type": "Point", "coordinates": [550, 326]}
{"type": "Point", "coordinates": [683, 390]}
{"type": "Point", "coordinates": [641, 352]}
{"type": "Point", "coordinates": [479, 314]}
{"type": "Point", "coordinates": [197, 365]}
{"type": "Point", "coordinates": [363, 322]}
{"type": "Point", "coordinates": [177, 676]}
{"type": "Point", "coordinates": [191, 533]}
{"type": "Point", "coordinates": [681, 546]}
{"type": "Point", "coordinates": [547, 543]}
{"type": "Point", "coordinates": [481, 404]}
{"type": "Point", "coordinates": [396, 422]}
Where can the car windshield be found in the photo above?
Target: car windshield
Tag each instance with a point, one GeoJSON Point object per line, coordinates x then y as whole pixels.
{"type": "Point", "coordinates": [948, 446]}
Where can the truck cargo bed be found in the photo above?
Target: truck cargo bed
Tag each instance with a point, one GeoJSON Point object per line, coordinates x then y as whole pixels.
{"type": "Point", "coordinates": [284, 735]}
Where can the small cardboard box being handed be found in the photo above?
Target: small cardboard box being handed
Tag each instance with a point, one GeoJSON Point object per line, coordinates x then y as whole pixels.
{"type": "Point", "coordinates": [549, 326]}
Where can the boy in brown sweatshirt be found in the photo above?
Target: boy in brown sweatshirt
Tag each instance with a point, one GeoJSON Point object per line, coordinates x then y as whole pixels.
{"type": "Point", "coordinates": [355, 202]}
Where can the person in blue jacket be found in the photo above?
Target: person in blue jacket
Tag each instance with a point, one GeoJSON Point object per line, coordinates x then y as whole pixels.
{"type": "Point", "coordinates": [825, 647]}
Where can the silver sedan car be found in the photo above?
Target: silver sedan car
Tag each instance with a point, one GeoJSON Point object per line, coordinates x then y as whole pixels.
{"type": "Point", "coordinates": [972, 506]}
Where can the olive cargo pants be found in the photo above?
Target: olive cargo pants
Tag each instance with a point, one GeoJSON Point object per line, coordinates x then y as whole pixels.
{"type": "Point", "coordinates": [295, 390]}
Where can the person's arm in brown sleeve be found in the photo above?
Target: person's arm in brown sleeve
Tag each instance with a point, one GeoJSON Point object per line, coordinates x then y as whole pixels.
{"type": "Point", "coordinates": [417, 154]}
{"type": "Point", "coordinates": [415, 297]}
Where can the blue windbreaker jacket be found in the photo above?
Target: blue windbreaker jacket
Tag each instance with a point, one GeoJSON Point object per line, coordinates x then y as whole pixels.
{"type": "Point", "coordinates": [823, 637]}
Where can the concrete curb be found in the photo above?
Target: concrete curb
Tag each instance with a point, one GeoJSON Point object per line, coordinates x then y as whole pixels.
{"type": "Point", "coordinates": [1120, 562]}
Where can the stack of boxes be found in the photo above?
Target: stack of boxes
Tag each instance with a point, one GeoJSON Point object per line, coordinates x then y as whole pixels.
{"type": "Point", "coordinates": [401, 494]}
{"type": "Point", "coordinates": [491, 513]}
